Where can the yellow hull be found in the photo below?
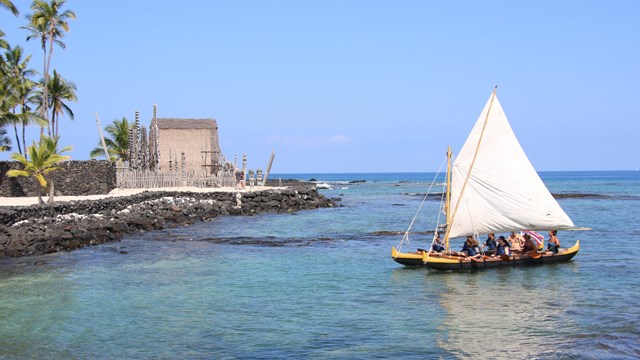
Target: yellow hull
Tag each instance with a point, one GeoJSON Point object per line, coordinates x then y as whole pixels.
{"type": "Point", "coordinates": [453, 262]}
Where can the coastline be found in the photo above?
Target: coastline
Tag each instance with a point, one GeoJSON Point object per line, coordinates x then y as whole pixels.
{"type": "Point", "coordinates": [118, 192]}
{"type": "Point", "coordinates": [74, 222]}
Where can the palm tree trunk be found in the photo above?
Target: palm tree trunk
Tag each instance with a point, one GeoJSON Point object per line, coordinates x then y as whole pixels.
{"type": "Point", "coordinates": [24, 141]}
{"type": "Point", "coordinates": [51, 192]}
{"type": "Point", "coordinates": [45, 96]}
{"type": "Point", "coordinates": [46, 76]}
{"type": "Point", "coordinates": [53, 124]}
{"type": "Point", "coordinates": [15, 130]}
{"type": "Point", "coordinates": [38, 191]}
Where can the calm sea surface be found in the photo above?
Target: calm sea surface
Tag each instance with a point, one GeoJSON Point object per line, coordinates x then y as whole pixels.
{"type": "Point", "coordinates": [322, 285]}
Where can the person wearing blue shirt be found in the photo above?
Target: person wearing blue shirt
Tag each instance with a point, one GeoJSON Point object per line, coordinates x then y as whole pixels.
{"type": "Point", "coordinates": [467, 245]}
{"type": "Point", "coordinates": [490, 244]}
{"type": "Point", "coordinates": [503, 247]}
{"type": "Point", "coordinates": [554, 243]}
{"type": "Point", "coordinates": [471, 249]}
{"type": "Point", "coordinates": [438, 244]}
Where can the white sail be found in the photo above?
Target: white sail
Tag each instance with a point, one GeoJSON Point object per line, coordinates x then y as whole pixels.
{"type": "Point", "coordinates": [503, 192]}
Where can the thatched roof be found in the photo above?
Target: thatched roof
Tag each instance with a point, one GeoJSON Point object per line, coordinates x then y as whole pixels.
{"type": "Point", "coordinates": [173, 123]}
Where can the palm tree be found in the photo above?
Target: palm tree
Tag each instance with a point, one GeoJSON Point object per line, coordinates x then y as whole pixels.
{"type": "Point", "coordinates": [48, 24]}
{"type": "Point", "coordinates": [3, 43]}
{"type": "Point", "coordinates": [8, 101]}
{"type": "Point", "coordinates": [8, 4]}
{"type": "Point", "coordinates": [26, 93]}
{"type": "Point", "coordinates": [51, 144]}
{"type": "Point", "coordinates": [5, 141]}
{"type": "Point", "coordinates": [117, 143]}
{"type": "Point", "coordinates": [18, 73]}
{"type": "Point", "coordinates": [59, 91]}
{"type": "Point", "coordinates": [39, 31]}
{"type": "Point", "coordinates": [44, 159]}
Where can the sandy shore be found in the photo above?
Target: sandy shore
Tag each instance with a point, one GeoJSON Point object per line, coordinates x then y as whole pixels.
{"type": "Point", "coordinates": [25, 201]}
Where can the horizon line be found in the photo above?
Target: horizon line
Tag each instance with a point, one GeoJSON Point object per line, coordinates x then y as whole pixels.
{"type": "Point", "coordinates": [422, 172]}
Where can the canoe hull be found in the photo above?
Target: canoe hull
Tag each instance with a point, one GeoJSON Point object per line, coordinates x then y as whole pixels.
{"type": "Point", "coordinates": [455, 263]}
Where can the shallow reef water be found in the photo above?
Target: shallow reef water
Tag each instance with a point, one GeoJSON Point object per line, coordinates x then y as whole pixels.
{"type": "Point", "coordinates": [321, 284]}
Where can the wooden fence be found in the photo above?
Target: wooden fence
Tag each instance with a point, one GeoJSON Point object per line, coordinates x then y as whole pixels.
{"type": "Point", "coordinates": [137, 179]}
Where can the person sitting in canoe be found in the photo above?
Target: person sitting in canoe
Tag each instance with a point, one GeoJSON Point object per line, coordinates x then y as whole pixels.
{"type": "Point", "coordinates": [553, 244]}
{"type": "Point", "coordinates": [466, 246]}
{"type": "Point", "coordinates": [438, 244]}
{"type": "Point", "coordinates": [529, 244]}
{"type": "Point", "coordinates": [503, 247]}
{"type": "Point", "coordinates": [515, 241]}
{"type": "Point", "coordinates": [490, 244]}
{"type": "Point", "coordinates": [470, 249]}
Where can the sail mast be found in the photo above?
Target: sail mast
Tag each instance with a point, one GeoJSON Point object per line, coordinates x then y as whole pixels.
{"type": "Point", "coordinates": [475, 155]}
{"type": "Point", "coordinates": [447, 204]}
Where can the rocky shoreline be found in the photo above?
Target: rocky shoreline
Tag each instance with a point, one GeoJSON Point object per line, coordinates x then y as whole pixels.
{"type": "Point", "coordinates": [44, 229]}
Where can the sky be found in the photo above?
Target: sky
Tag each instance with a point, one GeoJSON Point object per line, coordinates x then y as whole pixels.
{"type": "Point", "coordinates": [357, 86]}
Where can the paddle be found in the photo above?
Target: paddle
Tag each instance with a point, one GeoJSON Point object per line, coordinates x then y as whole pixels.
{"type": "Point", "coordinates": [534, 254]}
{"type": "Point", "coordinates": [505, 257]}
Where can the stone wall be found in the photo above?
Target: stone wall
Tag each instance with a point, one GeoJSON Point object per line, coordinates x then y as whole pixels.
{"type": "Point", "coordinates": [75, 178]}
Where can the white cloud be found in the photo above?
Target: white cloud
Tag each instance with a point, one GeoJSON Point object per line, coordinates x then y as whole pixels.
{"type": "Point", "coordinates": [339, 139]}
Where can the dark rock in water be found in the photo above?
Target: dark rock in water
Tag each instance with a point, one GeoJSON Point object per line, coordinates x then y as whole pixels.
{"type": "Point", "coordinates": [313, 179]}
{"type": "Point", "coordinates": [386, 232]}
{"type": "Point", "coordinates": [394, 232]}
{"type": "Point", "coordinates": [39, 263]}
{"type": "Point", "coordinates": [43, 229]}
{"type": "Point", "coordinates": [431, 196]}
{"type": "Point", "coordinates": [357, 181]}
{"type": "Point", "coordinates": [124, 252]}
{"type": "Point", "coordinates": [593, 196]}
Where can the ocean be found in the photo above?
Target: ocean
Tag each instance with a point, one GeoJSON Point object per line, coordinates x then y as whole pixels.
{"type": "Point", "coordinates": [321, 284]}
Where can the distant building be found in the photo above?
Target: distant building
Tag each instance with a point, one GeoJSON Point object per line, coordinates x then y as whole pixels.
{"type": "Point", "coordinates": [197, 138]}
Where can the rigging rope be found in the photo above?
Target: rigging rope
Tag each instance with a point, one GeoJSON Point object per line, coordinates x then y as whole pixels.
{"type": "Point", "coordinates": [435, 232]}
{"type": "Point", "coordinates": [405, 237]}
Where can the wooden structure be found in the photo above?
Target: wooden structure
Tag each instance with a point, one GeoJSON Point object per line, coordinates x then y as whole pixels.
{"type": "Point", "coordinates": [196, 138]}
{"type": "Point", "coordinates": [178, 152]}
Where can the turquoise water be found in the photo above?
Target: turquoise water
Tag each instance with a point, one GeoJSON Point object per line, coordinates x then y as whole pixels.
{"type": "Point", "coordinates": [321, 285]}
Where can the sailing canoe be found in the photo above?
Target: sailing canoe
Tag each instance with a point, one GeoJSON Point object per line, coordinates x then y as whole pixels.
{"type": "Point", "coordinates": [492, 187]}
{"type": "Point", "coordinates": [441, 261]}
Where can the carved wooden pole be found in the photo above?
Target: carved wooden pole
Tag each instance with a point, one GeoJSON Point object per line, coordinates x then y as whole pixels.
{"type": "Point", "coordinates": [259, 177]}
{"type": "Point", "coordinates": [183, 160]}
{"type": "Point", "coordinates": [104, 145]}
{"type": "Point", "coordinates": [244, 164]}
{"type": "Point", "coordinates": [156, 139]}
{"type": "Point", "coordinates": [130, 150]}
{"type": "Point", "coordinates": [136, 140]}
{"type": "Point", "coordinates": [266, 174]}
{"type": "Point", "coordinates": [144, 149]}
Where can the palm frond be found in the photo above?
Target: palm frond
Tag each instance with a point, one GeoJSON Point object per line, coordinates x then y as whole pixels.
{"type": "Point", "coordinates": [41, 180]}
{"type": "Point", "coordinates": [17, 173]}
{"type": "Point", "coordinates": [8, 4]}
